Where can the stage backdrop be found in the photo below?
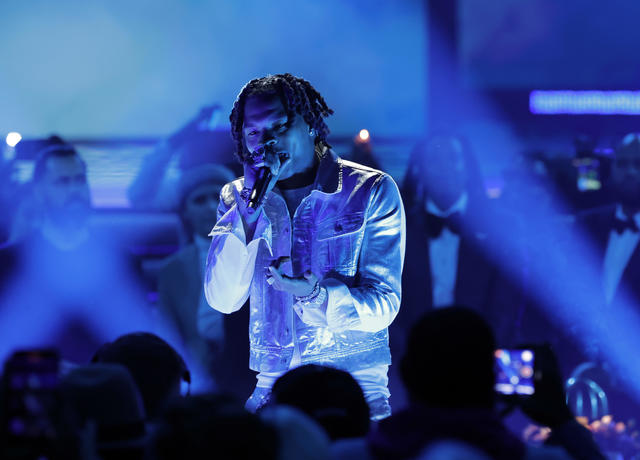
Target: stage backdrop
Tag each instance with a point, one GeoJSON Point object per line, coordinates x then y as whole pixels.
{"type": "Point", "coordinates": [128, 68]}
{"type": "Point", "coordinates": [549, 44]}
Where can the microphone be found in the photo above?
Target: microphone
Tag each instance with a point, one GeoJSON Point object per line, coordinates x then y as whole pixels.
{"type": "Point", "coordinates": [259, 190]}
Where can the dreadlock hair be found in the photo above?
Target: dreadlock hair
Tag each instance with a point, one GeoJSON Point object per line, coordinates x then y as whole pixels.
{"type": "Point", "coordinates": [298, 97]}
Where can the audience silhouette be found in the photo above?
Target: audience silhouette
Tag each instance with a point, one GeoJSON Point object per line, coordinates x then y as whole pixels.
{"type": "Point", "coordinates": [331, 397]}
{"type": "Point", "coordinates": [448, 370]}
{"type": "Point", "coordinates": [156, 367]}
{"type": "Point", "coordinates": [211, 426]}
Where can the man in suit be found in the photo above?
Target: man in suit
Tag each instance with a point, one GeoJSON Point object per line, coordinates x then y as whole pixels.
{"type": "Point", "coordinates": [615, 228]}
{"type": "Point", "coordinates": [214, 345]}
{"type": "Point", "coordinates": [451, 256]}
{"type": "Point", "coordinates": [613, 232]}
{"type": "Point", "coordinates": [444, 215]}
{"type": "Point", "coordinates": [451, 248]}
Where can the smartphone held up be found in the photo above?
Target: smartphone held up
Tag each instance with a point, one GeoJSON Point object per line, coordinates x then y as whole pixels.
{"type": "Point", "coordinates": [514, 371]}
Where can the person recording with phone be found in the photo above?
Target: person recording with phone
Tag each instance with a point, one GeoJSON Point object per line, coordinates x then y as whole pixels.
{"type": "Point", "coordinates": [449, 370]}
{"type": "Point", "coordinates": [315, 242]}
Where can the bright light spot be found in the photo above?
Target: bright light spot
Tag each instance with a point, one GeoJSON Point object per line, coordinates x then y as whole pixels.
{"type": "Point", "coordinates": [504, 388]}
{"type": "Point", "coordinates": [13, 139]}
{"type": "Point", "coordinates": [494, 192]}
{"type": "Point", "coordinates": [503, 356]}
{"type": "Point", "coordinates": [364, 135]}
{"type": "Point", "coordinates": [527, 356]}
{"type": "Point", "coordinates": [514, 379]}
{"type": "Point", "coordinates": [524, 390]}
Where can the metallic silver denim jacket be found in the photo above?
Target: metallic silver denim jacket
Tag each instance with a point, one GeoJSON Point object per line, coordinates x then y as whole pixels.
{"type": "Point", "coordinates": [350, 232]}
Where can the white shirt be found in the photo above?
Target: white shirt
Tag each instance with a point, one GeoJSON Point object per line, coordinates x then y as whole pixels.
{"type": "Point", "coordinates": [619, 250]}
{"type": "Point", "coordinates": [443, 255]}
{"type": "Point", "coordinates": [293, 197]}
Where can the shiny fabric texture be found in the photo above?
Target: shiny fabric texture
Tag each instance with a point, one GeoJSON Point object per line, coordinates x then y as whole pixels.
{"type": "Point", "coordinates": [350, 232]}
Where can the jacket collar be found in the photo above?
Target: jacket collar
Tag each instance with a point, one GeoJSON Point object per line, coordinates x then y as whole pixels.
{"type": "Point", "coordinates": [329, 175]}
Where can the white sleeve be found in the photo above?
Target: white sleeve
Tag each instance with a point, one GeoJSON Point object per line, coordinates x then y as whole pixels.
{"type": "Point", "coordinates": [231, 262]}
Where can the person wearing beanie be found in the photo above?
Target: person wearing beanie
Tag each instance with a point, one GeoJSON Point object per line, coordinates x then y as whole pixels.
{"type": "Point", "coordinates": [203, 332]}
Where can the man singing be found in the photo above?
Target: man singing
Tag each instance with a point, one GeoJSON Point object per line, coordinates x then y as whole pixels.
{"type": "Point", "coordinates": [319, 253]}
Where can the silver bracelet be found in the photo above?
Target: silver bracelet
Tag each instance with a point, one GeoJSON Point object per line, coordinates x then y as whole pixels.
{"type": "Point", "coordinates": [307, 298]}
{"type": "Point", "coordinates": [316, 298]}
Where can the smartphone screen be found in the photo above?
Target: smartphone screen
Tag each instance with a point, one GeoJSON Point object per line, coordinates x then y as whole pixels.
{"type": "Point", "coordinates": [514, 371]}
{"type": "Point", "coordinates": [30, 399]}
{"type": "Point", "coordinates": [588, 174]}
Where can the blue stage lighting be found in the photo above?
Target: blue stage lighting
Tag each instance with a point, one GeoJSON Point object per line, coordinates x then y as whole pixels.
{"type": "Point", "coordinates": [585, 102]}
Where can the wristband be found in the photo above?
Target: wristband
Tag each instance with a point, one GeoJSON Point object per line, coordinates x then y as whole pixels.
{"type": "Point", "coordinates": [314, 292]}
{"type": "Point", "coordinates": [317, 296]}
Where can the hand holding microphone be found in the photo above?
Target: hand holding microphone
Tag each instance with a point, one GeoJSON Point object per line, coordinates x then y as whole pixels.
{"type": "Point", "coordinates": [260, 188]}
{"type": "Point", "coordinates": [261, 172]}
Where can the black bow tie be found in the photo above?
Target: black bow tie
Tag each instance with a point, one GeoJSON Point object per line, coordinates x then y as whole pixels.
{"type": "Point", "coordinates": [435, 224]}
{"type": "Point", "coordinates": [620, 225]}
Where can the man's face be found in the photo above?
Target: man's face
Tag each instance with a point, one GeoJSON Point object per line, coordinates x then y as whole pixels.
{"type": "Point", "coordinates": [64, 191]}
{"type": "Point", "coordinates": [625, 176]}
{"type": "Point", "coordinates": [200, 208]}
{"type": "Point", "coordinates": [266, 122]}
{"type": "Point", "coordinates": [443, 170]}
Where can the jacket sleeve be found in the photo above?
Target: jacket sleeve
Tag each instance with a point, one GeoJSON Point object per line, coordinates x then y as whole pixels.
{"type": "Point", "coordinates": [231, 261]}
{"type": "Point", "coordinates": [373, 302]}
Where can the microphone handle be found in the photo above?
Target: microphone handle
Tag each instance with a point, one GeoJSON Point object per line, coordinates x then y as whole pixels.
{"type": "Point", "coordinates": [259, 190]}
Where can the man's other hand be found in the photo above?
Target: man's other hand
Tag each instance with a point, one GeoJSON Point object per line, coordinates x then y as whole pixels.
{"type": "Point", "coordinates": [298, 286]}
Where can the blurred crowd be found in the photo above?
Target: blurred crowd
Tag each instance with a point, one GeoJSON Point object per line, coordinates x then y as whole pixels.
{"type": "Point", "coordinates": [133, 401]}
{"type": "Point", "coordinates": [119, 360]}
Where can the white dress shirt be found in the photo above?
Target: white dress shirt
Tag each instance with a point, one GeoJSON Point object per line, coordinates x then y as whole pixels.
{"type": "Point", "coordinates": [443, 255]}
{"type": "Point", "coordinates": [620, 247]}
